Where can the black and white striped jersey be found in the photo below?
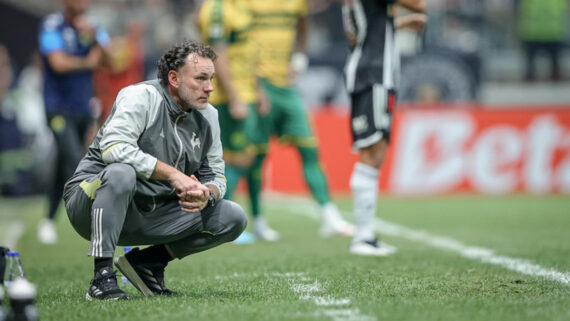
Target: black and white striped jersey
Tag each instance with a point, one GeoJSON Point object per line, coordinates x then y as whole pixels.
{"type": "Point", "coordinates": [369, 28]}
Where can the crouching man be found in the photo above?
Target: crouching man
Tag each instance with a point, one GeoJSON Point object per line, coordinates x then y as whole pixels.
{"type": "Point", "coordinates": [154, 175]}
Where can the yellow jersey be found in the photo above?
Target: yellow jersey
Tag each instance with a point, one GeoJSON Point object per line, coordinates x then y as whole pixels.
{"type": "Point", "coordinates": [229, 22]}
{"type": "Point", "coordinates": [274, 33]}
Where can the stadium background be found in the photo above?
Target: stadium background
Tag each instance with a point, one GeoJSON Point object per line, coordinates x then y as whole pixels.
{"type": "Point", "coordinates": [469, 60]}
{"type": "Point", "coordinates": [468, 128]}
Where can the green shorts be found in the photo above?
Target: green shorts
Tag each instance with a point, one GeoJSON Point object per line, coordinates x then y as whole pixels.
{"type": "Point", "coordinates": [287, 118]}
{"type": "Point", "coordinates": [237, 134]}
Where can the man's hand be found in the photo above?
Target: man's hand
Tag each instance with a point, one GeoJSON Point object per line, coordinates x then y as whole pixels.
{"type": "Point", "coordinates": [195, 199]}
{"type": "Point", "coordinates": [238, 109]}
{"type": "Point", "coordinates": [413, 21]}
{"type": "Point", "coordinates": [85, 28]}
{"type": "Point", "coordinates": [263, 102]}
{"type": "Point", "coordinates": [93, 58]}
{"type": "Point", "coordinates": [193, 195]}
{"type": "Point", "coordinates": [299, 64]}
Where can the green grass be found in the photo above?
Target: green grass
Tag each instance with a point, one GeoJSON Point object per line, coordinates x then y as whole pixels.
{"type": "Point", "coordinates": [273, 281]}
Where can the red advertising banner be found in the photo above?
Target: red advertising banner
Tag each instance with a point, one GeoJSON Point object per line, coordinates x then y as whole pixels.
{"type": "Point", "coordinates": [444, 150]}
{"type": "Point", "coordinates": [487, 151]}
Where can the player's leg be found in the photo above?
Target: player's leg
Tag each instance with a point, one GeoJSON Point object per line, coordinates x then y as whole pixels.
{"type": "Point", "coordinates": [221, 224]}
{"type": "Point", "coordinates": [260, 132]}
{"type": "Point", "coordinates": [531, 48]}
{"type": "Point", "coordinates": [554, 49]}
{"type": "Point", "coordinates": [371, 122]}
{"type": "Point", "coordinates": [239, 151]}
{"type": "Point", "coordinates": [68, 132]}
{"type": "Point", "coordinates": [97, 208]}
{"type": "Point", "coordinates": [233, 174]}
{"type": "Point", "coordinates": [293, 127]}
{"type": "Point", "coordinates": [174, 236]}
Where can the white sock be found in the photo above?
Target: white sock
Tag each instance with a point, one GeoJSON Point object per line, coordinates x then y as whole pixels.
{"type": "Point", "coordinates": [364, 187]}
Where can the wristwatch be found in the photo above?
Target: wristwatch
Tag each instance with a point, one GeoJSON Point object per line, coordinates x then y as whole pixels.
{"type": "Point", "coordinates": [211, 199]}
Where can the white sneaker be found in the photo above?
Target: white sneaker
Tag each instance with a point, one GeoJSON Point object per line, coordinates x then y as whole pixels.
{"type": "Point", "coordinates": [372, 248]}
{"type": "Point", "coordinates": [47, 233]}
{"type": "Point", "coordinates": [263, 231]}
{"type": "Point", "coordinates": [245, 238]}
{"type": "Point", "coordinates": [333, 223]}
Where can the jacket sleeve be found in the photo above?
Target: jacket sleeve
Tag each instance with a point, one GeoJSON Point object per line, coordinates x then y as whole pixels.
{"type": "Point", "coordinates": [212, 168]}
{"type": "Point", "coordinates": [133, 109]}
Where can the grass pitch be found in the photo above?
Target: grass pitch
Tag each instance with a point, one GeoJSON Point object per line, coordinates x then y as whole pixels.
{"type": "Point", "coordinates": [305, 277]}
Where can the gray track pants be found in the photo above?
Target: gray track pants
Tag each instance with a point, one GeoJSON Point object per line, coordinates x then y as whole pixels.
{"type": "Point", "coordinates": [107, 216]}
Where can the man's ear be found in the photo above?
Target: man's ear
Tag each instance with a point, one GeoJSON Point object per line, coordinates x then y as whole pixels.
{"type": "Point", "coordinates": [173, 78]}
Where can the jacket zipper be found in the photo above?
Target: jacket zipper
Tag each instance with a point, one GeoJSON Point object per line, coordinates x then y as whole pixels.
{"type": "Point", "coordinates": [180, 142]}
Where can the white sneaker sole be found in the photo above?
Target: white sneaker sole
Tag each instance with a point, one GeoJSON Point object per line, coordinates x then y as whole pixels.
{"type": "Point", "coordinates": [129, 272]}
{"type": "Point", "coordinates": [366, 249]}
{"type": "Point", "coordinates": [346, 229]}
{"type": "Point", "coordinates": [268, 236]}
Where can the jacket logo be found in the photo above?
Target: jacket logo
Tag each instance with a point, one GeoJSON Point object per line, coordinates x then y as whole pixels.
{"type": "Point", "coordinates": [195, 141]}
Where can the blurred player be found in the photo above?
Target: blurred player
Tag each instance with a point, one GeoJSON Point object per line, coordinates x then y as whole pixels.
{"type": "Point", "coordinates": [153, 175]}
{"type": "Point", "coordinates": [371, 73]}
{"type": "Point", "coordinates": [543, 26]}
{"type": "Point", "coordinates": [71, 47]}
{"type": "Point", "coordinates": [280, 37]}
{"type": "Point", "coordinates": [225, 25]}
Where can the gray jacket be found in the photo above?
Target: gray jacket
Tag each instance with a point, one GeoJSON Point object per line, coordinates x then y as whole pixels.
{"type": "Point", "coordinates": [145, 125]}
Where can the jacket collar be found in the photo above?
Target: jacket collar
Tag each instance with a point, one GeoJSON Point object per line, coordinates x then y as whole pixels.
{"type": "Point", "coordinates": [174, 110]}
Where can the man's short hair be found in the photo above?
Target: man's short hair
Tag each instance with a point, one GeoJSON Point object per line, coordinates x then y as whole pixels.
{"type": "Point", "coordinates": [175, 57]}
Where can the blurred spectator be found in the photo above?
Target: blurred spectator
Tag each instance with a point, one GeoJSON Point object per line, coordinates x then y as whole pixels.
{"type": "Point", "coordinates": [32, 121]}
{"type": "Point", "coordinates": [542, 28]}
{"type": "Point", "coordinates": [15, 159]}
{"type": "Point", "coordinates": [71, 47]}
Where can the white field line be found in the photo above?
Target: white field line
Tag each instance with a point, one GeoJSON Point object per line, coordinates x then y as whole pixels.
{"type": "Point", "coordinates": [309, 289]}
{"type": "Point", "coordinates": [472, 252]}
{"type": "Point", "coordinates": [303, 206]}
{"type": "Point", "coordinates": [13, 234]}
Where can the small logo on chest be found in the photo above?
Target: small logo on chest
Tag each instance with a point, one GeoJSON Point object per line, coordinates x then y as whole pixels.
{"type": "Point", "coordinates": [195, 141]}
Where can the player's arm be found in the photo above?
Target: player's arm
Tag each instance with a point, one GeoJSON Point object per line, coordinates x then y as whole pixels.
{"type": "Point", "coordinates": [413, 5]}
{"type": "Point", "coordinates": [302, 34]}
{"type": "Point", "coordinates": [238, 109]}
{"type": "Point", "coordinates": [263, 102]}
{"type": "Point", "coordinates": [52, 44]}
{"type": "Point", "coordinates": [214, 31]}
{"type": "Point", "coordinates": [101, 48]}
{"type": "Point", "coordinates": [299, 60]}
{"type": "Point", "coordinates": [187, 187]}
{"type": "Point", "coordinates": [212, 167]}
{"type": "Point", "coordinates": [103, 44]}
{"type": "Point", "coordinates": [119, 141]}
{"type": "Point", "coordinates": [63, 63]}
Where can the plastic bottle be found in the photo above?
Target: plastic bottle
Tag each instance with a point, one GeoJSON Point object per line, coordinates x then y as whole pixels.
{"type": "Point", "coordinates": [10, 268]}
{"type": "Point", "coordinates": [22, 301]}
{"type": "Point", "coordinates": [124, 280]}
{"type": "Point", "coordinates": [15, 269]}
